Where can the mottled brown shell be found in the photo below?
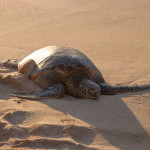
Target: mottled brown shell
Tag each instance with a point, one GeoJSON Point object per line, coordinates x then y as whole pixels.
{"type": "Point", "coordinates": [62, 60]}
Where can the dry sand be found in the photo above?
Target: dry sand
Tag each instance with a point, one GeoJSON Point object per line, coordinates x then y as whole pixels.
{"type": "Point", "coordinates": [115, 34]}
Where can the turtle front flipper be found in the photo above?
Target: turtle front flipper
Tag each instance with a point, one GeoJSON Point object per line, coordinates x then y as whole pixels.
{"type": "Point", "coordinates": [54, 91]}
{"type": "Point", "coordinates": [107, 89]}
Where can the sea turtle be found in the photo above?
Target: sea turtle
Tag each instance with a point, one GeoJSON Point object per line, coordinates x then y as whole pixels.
{"type": "Point", "coordinates": [61, 70]}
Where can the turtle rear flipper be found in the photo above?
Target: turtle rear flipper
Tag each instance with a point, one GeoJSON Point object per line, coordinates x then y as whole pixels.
{"type": "Point", "coordinates": [55, 91]}
{"type": "Point", "coordinates": [26, 67]}
{"type": "Point", "coordinates": [10, 63]}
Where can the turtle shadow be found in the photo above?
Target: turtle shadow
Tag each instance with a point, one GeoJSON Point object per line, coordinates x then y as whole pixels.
{"type": "Point", "coordinates": [110, 116]}
{"type": "Point", "coordinates": [5, 90]}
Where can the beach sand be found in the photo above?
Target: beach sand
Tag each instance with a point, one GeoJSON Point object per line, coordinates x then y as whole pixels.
{"type": "Point", "coordinates": [115, 35]}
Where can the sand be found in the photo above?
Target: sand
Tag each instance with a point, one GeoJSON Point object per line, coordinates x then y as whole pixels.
{"type": "Point", "coordinates": [115, 35]}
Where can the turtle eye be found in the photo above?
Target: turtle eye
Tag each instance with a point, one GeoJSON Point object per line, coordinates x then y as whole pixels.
{"type": "Point", "coordinates": [83, 91]}
{"type": "Point", "coordinates": [92, 90]}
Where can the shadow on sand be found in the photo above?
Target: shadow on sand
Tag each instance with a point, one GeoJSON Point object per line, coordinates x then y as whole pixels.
{"type": "Point", "coordinates": [110, 116]}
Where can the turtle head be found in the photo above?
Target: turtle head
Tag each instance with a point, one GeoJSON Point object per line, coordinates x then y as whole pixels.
{"type": "Point", "coordinates": [89, 89]}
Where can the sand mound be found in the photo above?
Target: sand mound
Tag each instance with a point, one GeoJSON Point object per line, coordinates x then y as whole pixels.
{"type": "Point", "coordinates": [42, 136]}
{"type": "Point", "coordinates": [20, 82]}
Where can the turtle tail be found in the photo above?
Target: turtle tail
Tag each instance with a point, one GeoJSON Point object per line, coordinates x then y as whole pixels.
{"type": "Point", "coordinates": [107, 89]}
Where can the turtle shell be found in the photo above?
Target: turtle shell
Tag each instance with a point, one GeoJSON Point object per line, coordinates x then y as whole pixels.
{"type": "Point", "coordinates": [62, 60]}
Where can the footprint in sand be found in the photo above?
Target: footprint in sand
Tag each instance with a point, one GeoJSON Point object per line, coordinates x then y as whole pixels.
{"type": "Point", "coordinates": [45, 143]}
{"type": "Point", "coordinates": [80, 134]}
{"type": "Point", "coordinates": [15, 117]}
{"type": "Point", "coordinates": [77, 133]}
{"type": "Point", "coordinates": [48, 136]}
{"type": "Point", "coordinates": [47, 130]}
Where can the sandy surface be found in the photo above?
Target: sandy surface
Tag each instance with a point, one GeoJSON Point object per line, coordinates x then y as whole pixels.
{"type": "Point", "coordinates": [115, 34]}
